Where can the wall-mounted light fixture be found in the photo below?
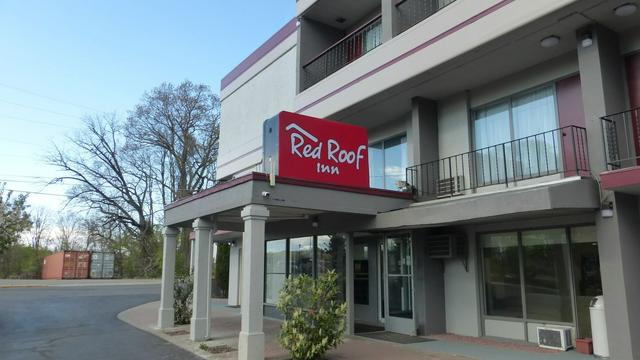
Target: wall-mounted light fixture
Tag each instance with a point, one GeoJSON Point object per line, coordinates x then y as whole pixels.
{"type": "Point", "coordinates": [550, 41]}
{"type": "Point", "coordinates": [314, 222]}
{"type": "Point", "coordinates": [606, 210]}
{"type": "Point", "coordinates": [587, 40]}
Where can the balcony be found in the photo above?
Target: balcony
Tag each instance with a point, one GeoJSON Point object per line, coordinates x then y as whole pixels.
{"type": "Point", "coordinates": [411, 12]}
{"type": "Point", "coordinates": [557, 152]}
{"type": "Point", "coordinates": [353, 46]}
{"type": "Point", "coordinates": [622, 150]}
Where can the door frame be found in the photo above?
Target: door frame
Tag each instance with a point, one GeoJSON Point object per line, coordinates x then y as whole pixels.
{"type": "Point", "coordinates": [396, 324]}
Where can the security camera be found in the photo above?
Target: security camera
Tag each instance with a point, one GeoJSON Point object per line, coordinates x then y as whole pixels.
{"type": "Point", "coordinates": [266, 194]}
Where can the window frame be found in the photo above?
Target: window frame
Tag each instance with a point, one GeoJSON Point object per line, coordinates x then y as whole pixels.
{"type": "Point", "coordinates": [525, 320]}
{"type": "Point", "coordinates": [509, 100]}
{"type": "Point", "coordinates": [314, 258]}
{"type": "Point", "coordinates": [384, 160]}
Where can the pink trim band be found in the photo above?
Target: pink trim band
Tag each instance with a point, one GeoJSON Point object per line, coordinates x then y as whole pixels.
{"type": "Point", "coordinates": [422, 46]}
{"type": "Point", "coordinates": [275, 40]}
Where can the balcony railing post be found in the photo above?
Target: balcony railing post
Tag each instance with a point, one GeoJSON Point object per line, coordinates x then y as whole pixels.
{"type": "Point", "coordinates": [504, 158]}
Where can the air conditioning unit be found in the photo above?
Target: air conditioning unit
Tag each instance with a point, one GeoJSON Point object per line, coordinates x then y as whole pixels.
{"type": "Point", "coordinates": [450, 186]}
{"type": "Point", "coordinates": [446, 246]}
{"type": "Point", "coordinates": [555, 338]}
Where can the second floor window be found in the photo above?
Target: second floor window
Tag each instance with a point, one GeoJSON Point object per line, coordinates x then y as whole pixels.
{"type": "Point", "coordinates": [517, 135]}
{"type": "Point", "coordinates": [388, 163]}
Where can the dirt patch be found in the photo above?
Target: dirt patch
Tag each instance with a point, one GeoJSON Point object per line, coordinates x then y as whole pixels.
{"type": "Point", "coordinates": [218, 349]}
{"type": "Point", "coordinates": [176, 332]}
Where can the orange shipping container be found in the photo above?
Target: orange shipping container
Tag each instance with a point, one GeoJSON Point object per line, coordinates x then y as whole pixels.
{"type": "Point", "coordinates": [66, 265]}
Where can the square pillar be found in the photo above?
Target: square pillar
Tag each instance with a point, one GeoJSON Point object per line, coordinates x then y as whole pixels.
{"type": "Point", "coordinates": [602, 84]}
{"type": "Point", "coordinates": [166, 311]}
{"type": "Point", "coordinates": [251, 340]}
{"type": "Point", "coordinates": [201, 280]}
{"type": "Point", "coordinates": [349, 278]}
{"type": "Point", "coordinates": [235, 266]}
{"type": "Point", "coordinates": [390, 20]}
{"type": "Point", "coordinates": [619, 249]}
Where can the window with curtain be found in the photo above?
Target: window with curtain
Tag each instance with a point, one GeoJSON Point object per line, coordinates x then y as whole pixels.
{"type": "Point", "coordinates": [275, 269]}
{"type": "Point", "coordinates": [514, 137]}
{"type": "Point", "coordinates": [388, 163]}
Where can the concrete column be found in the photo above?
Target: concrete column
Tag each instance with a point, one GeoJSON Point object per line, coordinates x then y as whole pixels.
{"type": "Point", "coordinates": [201, 280]}
{"type": "Point", "coordinates": [233, 298]}
{"type": "Point", "coordinates": [166, 311]}
{"type": "Point", "coordinates": [349, 288]}
{"type": "Point", "coordinates": [423, 132]}
{"type": "Point", "coordinates": [390, 20]}
{"type": "Point", "coordinates": [619, 250]}
{"type": "Point", "coordinates": [251, 340]}
{"type": "Point", "coordinates": [601, 77]}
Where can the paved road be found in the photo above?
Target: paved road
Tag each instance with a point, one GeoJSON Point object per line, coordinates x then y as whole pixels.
{"type": "Point", "coordinates": [78, 323]}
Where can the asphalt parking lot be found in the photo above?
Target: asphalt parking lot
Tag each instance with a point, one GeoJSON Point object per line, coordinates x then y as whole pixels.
{"type": "Point", "coordinates": [78, 322]}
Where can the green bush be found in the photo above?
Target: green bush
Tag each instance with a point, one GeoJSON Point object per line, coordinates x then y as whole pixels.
{"type": "Point", "coordinates": [314, 317]}
{"type": "Point", "coordinates": [183, 299]}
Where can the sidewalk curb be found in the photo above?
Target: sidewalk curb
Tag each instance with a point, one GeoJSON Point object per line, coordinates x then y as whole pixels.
{"type": "Point", "coordinates": [123, 316]}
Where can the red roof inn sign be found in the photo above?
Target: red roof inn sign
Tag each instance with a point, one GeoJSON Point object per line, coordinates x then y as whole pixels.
{"type": "Point", "coordinates": [306, 148]}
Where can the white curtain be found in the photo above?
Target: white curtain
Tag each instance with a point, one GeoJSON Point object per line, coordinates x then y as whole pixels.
{"type": "Point", "coordinates": [534, 116]}
{"type": "Point", "coordinates": [491, 127]}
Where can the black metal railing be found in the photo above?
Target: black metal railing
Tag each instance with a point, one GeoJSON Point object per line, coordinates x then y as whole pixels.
{"type": "Point", "coordinates": [345, 51]}
{"type": "Point", "coordinates": [559, 151]}
{"type": "Point", "coordinates": [622, 138]}
{"type": "Point", "coordinates": [411, 12]}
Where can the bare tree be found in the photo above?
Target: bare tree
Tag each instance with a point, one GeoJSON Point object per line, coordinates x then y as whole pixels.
{"type": "Point", "coordinates": [110, 180]}
{"type": "Point", "coordinates": [179, 127]}
{"type": "Point", "coordinates": [39, 233]}
{"type": "Point", "coordinates": [68, 231]}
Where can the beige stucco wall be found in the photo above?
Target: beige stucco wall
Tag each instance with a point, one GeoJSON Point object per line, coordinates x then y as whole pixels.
{"type": "Point", "coordinates": [487, 28]}
{"type": "Point", "coordinates": [265, 89]}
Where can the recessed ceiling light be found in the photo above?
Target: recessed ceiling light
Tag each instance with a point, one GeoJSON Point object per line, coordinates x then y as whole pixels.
{"type": "Point", "coordinates": [340, 20]}
{"type": "Point", "coordinates": [625, 9]}
{"type": "Point", "coordinates": [550, 41]}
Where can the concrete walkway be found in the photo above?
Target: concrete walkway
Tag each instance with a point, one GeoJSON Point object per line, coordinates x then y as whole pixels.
{"type": "Point", "coordinates": [226, 326]}
{"type": "Point", "coordinates": [75, 282]}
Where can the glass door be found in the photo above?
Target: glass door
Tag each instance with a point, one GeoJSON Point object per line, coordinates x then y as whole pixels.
{"type": "Point", "coordinates": [398, 269]}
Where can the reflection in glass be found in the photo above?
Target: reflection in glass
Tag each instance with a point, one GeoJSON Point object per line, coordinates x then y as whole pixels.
{"type": "Point", "coordinates": [376, 166]}
{"type": "Point", "coordinates": [546, 276]}
{"type": "Point", "coordinates": [388, 163]}
{"type": "Point", "coordinates": [301, 256]}
{"type": "Point", "coordinates": [395, 162]}
{"type": "Point", "coordinates": [502, 274]}
{"type": "Point", "coordinates": [361, 274]}
{"type": "Point", "coordinates": [399, 282]}
{"type": "Point", "coordinates": [400, 297]}
{"type": "Point", "coordinates": [331, 255]}
{"type": "Point", "coordinates": [275, 269]}
{"type": "Point", "coordinates": [586, 268]}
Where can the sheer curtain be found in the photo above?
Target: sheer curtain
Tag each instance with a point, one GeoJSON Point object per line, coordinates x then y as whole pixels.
{"type": "Point", "coordinates": [491, 127]}
{"type": "Point", "coordinates": [534, 114]}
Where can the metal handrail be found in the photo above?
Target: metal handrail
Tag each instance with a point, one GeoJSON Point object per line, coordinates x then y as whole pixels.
{"type": "Point", "coordinates": [344, 38]}
{"type": "Point", "coordinates": [563, 150]}
{"type": "Point", "coordinates": [351, 47]}
{"type": "Point", "coordinates": [621, 136]}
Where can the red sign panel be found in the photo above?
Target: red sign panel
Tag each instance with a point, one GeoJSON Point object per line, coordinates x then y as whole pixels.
{"type": "Point", "coordinates": [322, 151]}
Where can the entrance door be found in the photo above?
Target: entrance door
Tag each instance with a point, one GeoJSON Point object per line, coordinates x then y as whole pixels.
{"type": "Point", "coordinates": [398, 284]}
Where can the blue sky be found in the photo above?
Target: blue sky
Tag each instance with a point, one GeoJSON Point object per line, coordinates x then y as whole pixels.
{"type": "Point", "coordinates": [63, 59]}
